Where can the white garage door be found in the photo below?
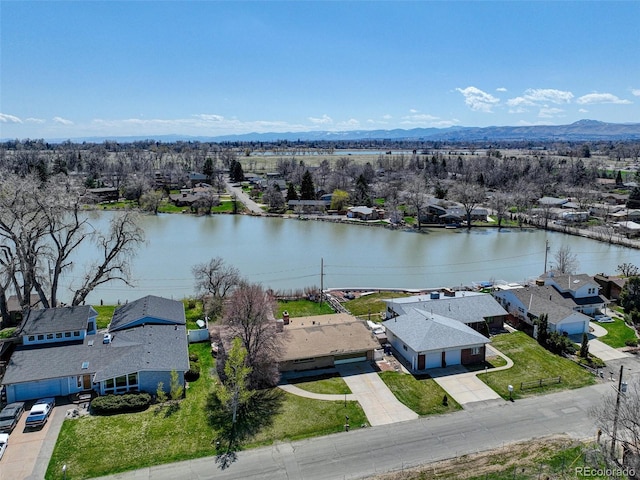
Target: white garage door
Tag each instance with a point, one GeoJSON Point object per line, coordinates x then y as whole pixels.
{"type": "Point", "coordinates": [433, 360]}
{"type": "Point", "coordinates": [341, 361]}
{"type": "Point", "coordinates": [453, 358]}
{"type": "Point", "coordinates": [572, 328]}
{"type": "Point", "coordinates": [35, 390]}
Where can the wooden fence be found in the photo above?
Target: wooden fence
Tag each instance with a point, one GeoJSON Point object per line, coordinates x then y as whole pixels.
{"type": "Point", "coordinates": [540, 383]}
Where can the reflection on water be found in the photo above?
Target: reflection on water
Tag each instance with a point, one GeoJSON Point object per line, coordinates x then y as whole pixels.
{"type": "Point", "coordinates": [286, 253]}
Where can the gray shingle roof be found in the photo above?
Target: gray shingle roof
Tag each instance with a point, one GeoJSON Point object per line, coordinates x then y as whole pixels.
{"type": "Point", "coordinates": [62, 319]}
{"type": "Point", "coordinates": [471, 307]}
{"type": "Point", "coordinates": [152, 347]}
{"type": "Point", "coordinates": [151, 309]}
{"type": "Point", "coordinates": [423, 331]}
{"type": "Point", "coordinates": [545, 299]}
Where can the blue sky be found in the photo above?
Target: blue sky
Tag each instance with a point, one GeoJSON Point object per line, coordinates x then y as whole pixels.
{"type": "Point", "coordinates": [89, 68]}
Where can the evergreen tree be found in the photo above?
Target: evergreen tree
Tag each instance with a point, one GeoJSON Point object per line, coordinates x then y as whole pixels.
{"type": "Point", "coordinates": [584, 346]}
{"type": "Point", "coordinates": [543, 326]}
{"type": "Point", "coordinates": [235, 171]}
{"type": "Point", "coordinates": [619, 178]}
{"type": "Point", "coordinates": [291, 193]}
{"type": "Point", "coordinates": [634, 198]}
{"type": "Point", "coordinates": [362, 196]}
{"type": "Point", "coordinates": [307, 188]}
{"type": "Point", "coordinates": [207, 169]}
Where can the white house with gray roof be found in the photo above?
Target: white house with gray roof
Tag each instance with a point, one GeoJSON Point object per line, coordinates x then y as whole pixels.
{"type": "Point", "coordinates": [429, 340]}
{"type": "Point", "coordinates": [148, 341]}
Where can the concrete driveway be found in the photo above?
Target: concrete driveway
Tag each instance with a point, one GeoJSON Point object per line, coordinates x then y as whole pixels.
{"type": "Point", "coordinates": [380, 405]}
{"type": "Point", "coordinates": [597, 347]}
{"type": "Point", "coordinates": [29, 452]}
{"type": "Point", "coordinates": [464, 386]}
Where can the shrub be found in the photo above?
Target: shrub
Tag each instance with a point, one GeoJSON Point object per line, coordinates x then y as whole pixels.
{"type": "Point", "coordinates": [193, 357]}
{"type": "Point", "coordinates": [632, 342]}
{"type": "Point", "coordinates": [558, 343]}
{"type": "Point", "coordinates": [112, 404]}
{"type": "Point", "coordinates": [193, 373]}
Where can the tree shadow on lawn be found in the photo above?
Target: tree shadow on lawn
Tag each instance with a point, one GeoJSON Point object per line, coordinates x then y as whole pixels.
{"type": "Point", "coordinates": [256, 414]}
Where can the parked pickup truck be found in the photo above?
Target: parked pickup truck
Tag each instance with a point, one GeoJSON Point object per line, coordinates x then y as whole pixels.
{"type": "Point", "coordinates": [40, 412]}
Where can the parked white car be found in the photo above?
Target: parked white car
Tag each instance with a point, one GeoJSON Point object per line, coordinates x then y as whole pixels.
{"type": "Point", "coordinates": [4, 441]}
{"type": "Point", "coordinates": [40, 412]}
{"type": "Point", "coordinates": [603, 319]}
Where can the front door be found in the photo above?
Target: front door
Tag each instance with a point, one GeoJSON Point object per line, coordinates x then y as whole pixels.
{"type": "Point", "coordinates": [421, 362]}
{"type": "Point", "coordinates": [86, 382]}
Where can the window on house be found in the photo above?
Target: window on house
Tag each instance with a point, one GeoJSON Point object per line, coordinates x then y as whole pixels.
{"type": "Point", "coordinates": [40, 337]}
{"type": "Point", "coordinates": [76, 334]}
{"type": "Point", "coordinates": [405, 347]}
{"type": "Point", "coordinates": [80, 382]}
{"type": "Point", "coordinates": [58, 335]}
{"type": "Point", "coordinates": [67, 334]}
{"type": "Point", "coordinates": [132, 379]}
{"type": "Point", "coordinates": [475, 351]}
{"type": "Point", "coordinates": [49, 336]}
{"type": "Point", "coordinates": [32, 338]}
{"type": "Point", "coordinates": [109, 383]}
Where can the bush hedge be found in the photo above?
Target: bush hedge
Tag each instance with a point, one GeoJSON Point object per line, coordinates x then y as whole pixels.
{"type": "Point", "coordinates": [193, 373]}
{"type": "Point", "coordinates": [128, 402]}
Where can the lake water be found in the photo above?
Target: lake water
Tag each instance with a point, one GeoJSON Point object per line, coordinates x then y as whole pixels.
{"type": "Point", "coordinates": [286, 254]}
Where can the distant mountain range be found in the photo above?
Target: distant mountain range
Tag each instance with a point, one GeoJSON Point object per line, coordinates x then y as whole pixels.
{"type": "Point", "coordinates": [582, 130]}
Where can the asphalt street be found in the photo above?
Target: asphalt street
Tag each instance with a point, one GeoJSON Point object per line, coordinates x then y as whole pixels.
{"type": "Point", "coordinates": [365, 452]}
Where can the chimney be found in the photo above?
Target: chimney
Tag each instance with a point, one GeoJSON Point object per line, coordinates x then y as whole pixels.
{"type": "Point", "coordinates": [285, 317]}
{"type": "Point", "coordinates": [279, 325]}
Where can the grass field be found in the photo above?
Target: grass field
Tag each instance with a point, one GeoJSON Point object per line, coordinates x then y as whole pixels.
{"type": "Point", "coordinates": [372, 304]}
{"type": "Point", "coordinates": [94, 446]}
{"type": "Point", "coordinates": [302, 308]}
{"type": "Point", "coordinates": [532, 362]}
{"type": "Point", "coordinates": [618, 332]}
{"type": "Point", "coordinates": [425, 397]}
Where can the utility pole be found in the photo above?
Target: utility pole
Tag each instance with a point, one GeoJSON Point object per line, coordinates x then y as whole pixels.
{"type": "Point", "coordinates": [615, 415]}
{"type": "Point", "coordinates": [546, 252]}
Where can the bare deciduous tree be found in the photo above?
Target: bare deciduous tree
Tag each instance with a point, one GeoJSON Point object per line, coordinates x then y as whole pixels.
{"type": "Point", "coordinates": [213, 281]}
{"type": "Point", "coordinates": [619, 421]}
{"type": "Point", "coordinates": [470, 196]}
{"type": "Point", "coordinates": [249, 315]}
{"type": "Point", "coordinates": [565, 260]}
{"type": "Point", "coordinates": [416, 197]}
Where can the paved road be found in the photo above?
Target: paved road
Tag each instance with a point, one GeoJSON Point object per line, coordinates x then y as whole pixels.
{"type": "Point", "coordinates": [365, 452]}
{"type": "Point", "coordinates": [252, 206]}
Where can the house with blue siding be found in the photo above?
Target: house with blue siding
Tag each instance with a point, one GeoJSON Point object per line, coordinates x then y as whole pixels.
{"type": "Point", "coordinates": [63, 353]}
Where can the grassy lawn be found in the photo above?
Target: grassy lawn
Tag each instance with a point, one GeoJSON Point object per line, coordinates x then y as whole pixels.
{"type": "Point", "coordinates": [372, 304]}
{"type": "Point", "coordinates": [192, 308]}
{"type": "Point", "coordinates": [331, 384]}
{"type": "Point", "coordinates": [7, 332]}
{"type": "Point", "coordinates": [303, 417]}
{"type": "Point", "coordinates": [532, 362]}
{"type": "Point", "coordinates": [94, 446]}
{"type": "Point", "coordinates": [302, 308]}
{"type": "Point", "coordinates": [422, 396]}
{"type": "Point", "coordinates": [105, 313]}
{"type": "Point", "coordinates": [617, 333]}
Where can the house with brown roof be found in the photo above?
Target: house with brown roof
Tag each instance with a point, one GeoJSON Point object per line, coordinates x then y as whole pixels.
{"type": "Point", "coordinates": [324, 341]}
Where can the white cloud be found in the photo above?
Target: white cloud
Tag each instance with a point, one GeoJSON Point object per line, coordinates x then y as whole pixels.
{"type": "Point", "coordinates": [636, 92]}
{"type": "Point", "coordinates": [537, 96]}
{"type": "Point", "coordinates": [549, 112]}
{"type": "Point", "coordinates": [387, 117]}
{"type": "Point", "coordinates": [351, 123]}
{"type": "Point", "coordinates": [324, 120]}
{"type": "Point", "coordinates": [583, 110]}
{"type": "Point", "coordinates": [35, 120]}
{"type": "Point", "coordinates": [477, 99]}
{"type": "Point", "coordinates": [210, 117]}
{"type": "Point", "coordinates": [501, 89]}
{"type": "Point", "coordinates": [62, 121]}
{"type": "Point", "coordinates": [413, 110]}
{"type": "Point", "coordinates": [592, 98]}
{"type": "Point", "coordinates": [6, 118]}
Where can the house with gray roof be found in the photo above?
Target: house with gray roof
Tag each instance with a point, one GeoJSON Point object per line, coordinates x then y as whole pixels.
{"type": "Point", "coordinates": [147, 342]}
{"type": "Point", "coordinates": [526, 304]}
{"type": "Point", "coordinates": [581, 291]}
{"type": "Point", "coordinates": [429, 340]}
{"type": "Point", "coordinates": [479, 311]}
